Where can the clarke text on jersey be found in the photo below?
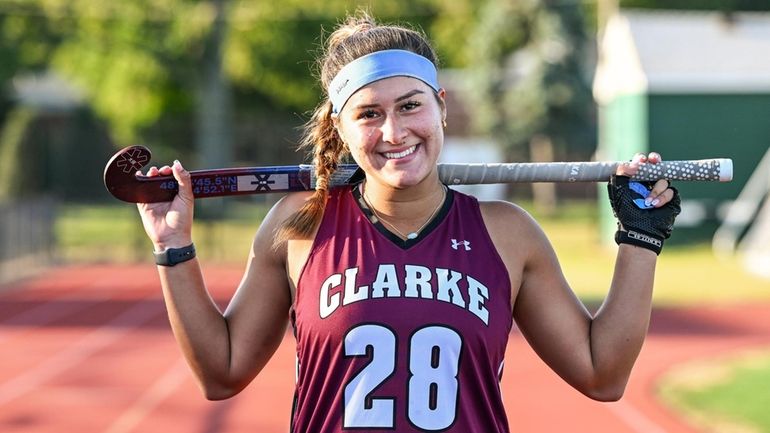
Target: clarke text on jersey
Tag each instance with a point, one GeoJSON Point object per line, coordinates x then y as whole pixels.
{"type": "Point", "coordinates": [450, 286]}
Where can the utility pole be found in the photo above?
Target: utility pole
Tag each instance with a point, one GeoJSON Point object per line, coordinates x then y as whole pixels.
{"type": "Point", "coordinates": [214, 126]}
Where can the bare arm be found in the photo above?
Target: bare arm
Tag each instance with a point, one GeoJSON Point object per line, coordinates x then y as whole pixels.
{"type": "Point", "coordinates": [595, 354]}
{"type": "Point", "coordinates": [225, 351]}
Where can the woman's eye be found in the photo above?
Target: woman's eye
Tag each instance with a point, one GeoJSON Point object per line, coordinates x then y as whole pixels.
{"type": "Point", "coordinates": [410, 105]}
{"type": "Point", "coordinates": [368, 114]}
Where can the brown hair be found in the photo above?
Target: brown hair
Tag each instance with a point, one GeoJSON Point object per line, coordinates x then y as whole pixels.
{"type": "Point", "coordinates": [357, 36]}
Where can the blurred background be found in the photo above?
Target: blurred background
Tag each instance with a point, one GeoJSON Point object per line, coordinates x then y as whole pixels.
{"type": "Point", "coordinates": [229, 83]}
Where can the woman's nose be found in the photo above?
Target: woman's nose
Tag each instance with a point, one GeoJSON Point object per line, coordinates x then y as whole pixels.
{"type": "Point", "coordinates": [393, 130]}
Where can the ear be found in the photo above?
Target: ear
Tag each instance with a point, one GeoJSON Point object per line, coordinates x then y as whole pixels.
{"type": "Point", "coordinates": [442, 102]}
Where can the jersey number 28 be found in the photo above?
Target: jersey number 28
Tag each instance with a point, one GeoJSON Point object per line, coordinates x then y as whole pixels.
{"type": "Point", "coordinates": [432, 388]}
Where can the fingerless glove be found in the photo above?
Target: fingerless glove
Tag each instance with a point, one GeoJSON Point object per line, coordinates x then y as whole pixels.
{"type": "Point", "coordinates": [646, 228]}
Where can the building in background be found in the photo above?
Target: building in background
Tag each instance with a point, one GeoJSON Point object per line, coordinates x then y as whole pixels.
{"type": "Point", "coordinates": [690, 85]}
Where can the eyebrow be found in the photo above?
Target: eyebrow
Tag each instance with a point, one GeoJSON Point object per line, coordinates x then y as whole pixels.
{"type": "Point", "coordinates": [399, 99]}
{"type": "Point", "coordinates": [409, 95]}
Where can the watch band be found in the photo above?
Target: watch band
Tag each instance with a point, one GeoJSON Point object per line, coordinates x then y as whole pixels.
{"type": "Point", "coordinates": [174, 256]}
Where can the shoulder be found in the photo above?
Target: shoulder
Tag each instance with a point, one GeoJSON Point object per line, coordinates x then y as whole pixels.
{"type": "Point", "coordinates": [279, 213]}
{"type": "Point", "coordinates": [289, 204]}
{"type": "Point", "coordinates": [499, 214]}
{"type": "Point", "coordinates": [512, 227]}
{"type": "Point", "coordinates": [284, 209]}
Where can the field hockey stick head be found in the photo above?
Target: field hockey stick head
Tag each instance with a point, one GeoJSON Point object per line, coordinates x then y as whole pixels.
{"type": "Point", "coordinates": [123, 182]}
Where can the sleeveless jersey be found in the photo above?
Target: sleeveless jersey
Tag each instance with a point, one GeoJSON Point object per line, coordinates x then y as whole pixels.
{"type": "Point", "coordinates": [401, 336]}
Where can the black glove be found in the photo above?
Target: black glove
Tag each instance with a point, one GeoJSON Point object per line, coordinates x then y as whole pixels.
{"type": "Point", "coordinates": [646, 228]}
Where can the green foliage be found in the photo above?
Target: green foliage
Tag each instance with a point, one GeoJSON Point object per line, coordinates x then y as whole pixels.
{"type": "Point", "coordinates": [454, 22]}
{"type": "Point", "coordinates": [127, 57]}
{"type": "Point", "coordinates": [272, 46]}
{"type": "Point", "coordinates": [527, 68]}
{"type": "Point", "coordinates": [26, 37]}
{"type": "Point", "coordinates": [140, 61]}
{"type": "Point", "coordinates": [131, 56]}
{"type": "Point", "coordinates": [16, 153]}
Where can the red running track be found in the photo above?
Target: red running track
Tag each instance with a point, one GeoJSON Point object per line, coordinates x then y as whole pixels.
{"type": "Point", "coordinates": [89, 349]}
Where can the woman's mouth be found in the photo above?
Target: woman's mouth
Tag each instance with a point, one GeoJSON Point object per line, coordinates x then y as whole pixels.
{"type": "Point", "coordinates": [402, 154]}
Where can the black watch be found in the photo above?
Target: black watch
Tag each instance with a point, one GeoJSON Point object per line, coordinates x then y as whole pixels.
{"type": "Point", "coordinates": [174, 256]}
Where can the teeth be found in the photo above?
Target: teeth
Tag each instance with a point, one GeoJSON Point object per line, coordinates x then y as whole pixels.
{"type": "Point", "coordinates": [393, 155]}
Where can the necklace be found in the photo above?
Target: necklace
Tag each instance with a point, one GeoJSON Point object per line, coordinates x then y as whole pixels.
{"type": "Point", "coordinates": [411, 235]}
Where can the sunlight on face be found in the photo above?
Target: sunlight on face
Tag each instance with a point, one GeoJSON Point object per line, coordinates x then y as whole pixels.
{"type": "Point", "coordinates": [393, 128]}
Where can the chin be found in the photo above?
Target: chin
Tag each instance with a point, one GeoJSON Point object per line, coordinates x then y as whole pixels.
{"type": "Point", "coordinates": [406, 178]}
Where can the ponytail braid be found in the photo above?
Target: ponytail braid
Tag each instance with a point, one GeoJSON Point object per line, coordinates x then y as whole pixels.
{"type": "Point", "coordinates": [328, 149]}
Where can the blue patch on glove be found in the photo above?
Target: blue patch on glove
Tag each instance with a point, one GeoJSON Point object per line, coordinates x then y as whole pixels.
{"type": "Point", "coordinates": [642, 191]}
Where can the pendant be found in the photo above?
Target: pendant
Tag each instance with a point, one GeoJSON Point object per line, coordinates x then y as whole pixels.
{"type": "Point", "coordinates": [412, 235]}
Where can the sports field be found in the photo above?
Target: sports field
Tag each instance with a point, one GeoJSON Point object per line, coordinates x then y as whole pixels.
{"type": "Point", "coordinates": [89, 349]}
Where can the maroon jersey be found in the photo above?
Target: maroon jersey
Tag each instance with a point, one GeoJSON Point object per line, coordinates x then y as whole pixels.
{"type": "Point", "coordinates": [402, 336]}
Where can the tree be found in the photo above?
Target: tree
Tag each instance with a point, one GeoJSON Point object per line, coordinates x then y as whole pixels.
{"type": "Point", "coordinates": [533, 93]}
{"type": "Point", "coordinates": [168, 73]}
{"type": "Point", "coordinates": [141, 59]}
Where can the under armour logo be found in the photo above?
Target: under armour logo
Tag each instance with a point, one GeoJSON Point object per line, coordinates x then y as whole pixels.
{"type": "Point", "coordinates": [456, 244]}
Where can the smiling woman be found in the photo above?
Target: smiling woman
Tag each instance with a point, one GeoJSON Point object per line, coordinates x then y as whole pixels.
{"type": "Point", "coordinates": [386, 77]}
{"type": "Point", "coordinates": [393, 130]}
{"type": "Point", "coordinates": [401, 291]}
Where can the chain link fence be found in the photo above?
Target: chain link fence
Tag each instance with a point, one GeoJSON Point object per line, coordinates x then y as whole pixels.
{"type": "Point", "coordinates": [27, 238]}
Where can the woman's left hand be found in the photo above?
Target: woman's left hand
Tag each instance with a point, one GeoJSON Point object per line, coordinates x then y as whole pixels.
{"type": "Point", "coordinates": [661, 192]}
{"type": "Point", "coordinates": [649, 223]}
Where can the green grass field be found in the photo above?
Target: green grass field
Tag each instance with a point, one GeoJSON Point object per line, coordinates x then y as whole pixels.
{"type": "Point", "coordinates": [85, 234]}
{"type": "Point", "coordinates": [723, 395]}
{"type": "Point", "coordinates": [685, 275]}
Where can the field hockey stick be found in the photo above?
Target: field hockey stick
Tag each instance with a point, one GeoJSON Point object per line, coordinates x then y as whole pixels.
{"type": "Point", "coordinates": [123, 182]}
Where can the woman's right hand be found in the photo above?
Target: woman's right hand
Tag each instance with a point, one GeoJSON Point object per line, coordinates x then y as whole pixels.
{"type": "Point", "coordinates": [169, 224]}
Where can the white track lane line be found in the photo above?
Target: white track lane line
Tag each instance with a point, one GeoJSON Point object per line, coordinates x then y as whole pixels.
{"type": "Point", "coordinates": [79, 351]}
{"type": "Point", "coordinates": [635, 419]}
{"type": "Point", "coordinates": [147, 402]}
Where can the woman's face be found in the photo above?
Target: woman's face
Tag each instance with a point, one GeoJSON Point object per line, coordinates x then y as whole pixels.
{"type": "Point", "coordinates": [393, 128]}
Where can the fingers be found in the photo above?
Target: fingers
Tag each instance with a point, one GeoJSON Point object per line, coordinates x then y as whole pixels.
{"type": "Point", "coordinates": [628, 168]}
{"type": "Point", "coordinates": [155, 171]}
{"type": "Point", "coordinates": [182, 177]}
{"type": "Point", "coordinates": [638, 158]}
{"type": "Point", "coordinates": [632, 167]}
{"type": "Point", "coordinates": [660, 194]}
{"type": "Point", "coordinates": [659, 187]}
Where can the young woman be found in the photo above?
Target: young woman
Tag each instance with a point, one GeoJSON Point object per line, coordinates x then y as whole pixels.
{"type": "Point", "coordinates": [402, 292]}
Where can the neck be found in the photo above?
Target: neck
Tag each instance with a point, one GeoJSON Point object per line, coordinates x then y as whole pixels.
{"type": "Point", "coordinates": [405, 211]}
{"type": "Point", "coordinates": [404, 202]}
